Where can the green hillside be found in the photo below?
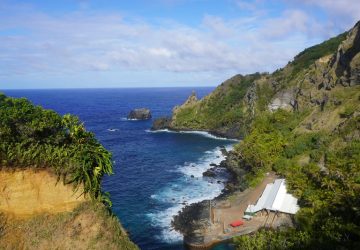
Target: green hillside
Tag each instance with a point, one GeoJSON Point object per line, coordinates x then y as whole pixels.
{"type": "Point", "coordinates": [231, 107]}
{"type": "Point", "coordinates": [303, 122]}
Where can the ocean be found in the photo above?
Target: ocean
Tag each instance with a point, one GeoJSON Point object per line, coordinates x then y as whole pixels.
{"type": "Point", "coordinates": [156, 173]}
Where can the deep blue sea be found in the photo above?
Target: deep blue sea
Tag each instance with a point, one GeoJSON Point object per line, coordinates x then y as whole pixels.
{"type": "Point", "coordinates": [155, 173]}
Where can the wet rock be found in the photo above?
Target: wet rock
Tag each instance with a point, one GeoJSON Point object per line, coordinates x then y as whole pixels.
{"type": "Point", "coordinates": [209, 173]}
{"type": "Point", "coordinates": [223, 150]}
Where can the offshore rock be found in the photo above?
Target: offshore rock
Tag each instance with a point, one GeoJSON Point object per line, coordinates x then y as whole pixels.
{"type": "Point", "coordinates": [139, 114]}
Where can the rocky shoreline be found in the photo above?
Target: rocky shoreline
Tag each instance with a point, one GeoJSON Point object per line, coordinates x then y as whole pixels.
{"type": "Point", "coordinates": [194, 217]}
{"type": "Point", "coordinates": [165, 123]}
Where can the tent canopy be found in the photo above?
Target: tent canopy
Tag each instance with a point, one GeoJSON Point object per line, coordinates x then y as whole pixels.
{"type": "Point", "coordinates": [275, 198]}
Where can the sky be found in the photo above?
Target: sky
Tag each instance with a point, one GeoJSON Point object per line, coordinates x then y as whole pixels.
{"type": "Point", "coordinates": [158, 43]}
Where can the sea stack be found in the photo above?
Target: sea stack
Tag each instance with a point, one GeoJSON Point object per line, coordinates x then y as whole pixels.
{"type": "Point", "coordinates": [139, 114]}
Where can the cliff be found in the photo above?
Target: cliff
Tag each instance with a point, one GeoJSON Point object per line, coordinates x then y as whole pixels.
{"type": "Point", "coordinates": [38, 212]}
{"type": "Point", "coordinates": [50, 182]}
{"type": "Point", "coordinates": [24, 193]}
{"type": "Point", "coordinates": [302, 122]}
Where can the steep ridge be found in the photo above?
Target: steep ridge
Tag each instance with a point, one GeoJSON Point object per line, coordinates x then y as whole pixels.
{"type": "Point", "coordinates": [230, 109]}
{"type": "Point", "coordinates": [302, 122]}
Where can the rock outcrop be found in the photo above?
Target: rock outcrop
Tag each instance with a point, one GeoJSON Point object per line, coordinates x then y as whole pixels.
{"type": "Point", "coordinates": [139, 114]}
{"type": "Point", "coordinates": [346, 62]}
{"type": "Point", "coordinates": [282, 100]}
{"type": "Point", "coordinates": [190, 101]}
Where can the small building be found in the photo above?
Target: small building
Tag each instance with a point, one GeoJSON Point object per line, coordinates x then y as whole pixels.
{"type": "Point", "coordinates": [274, 198]}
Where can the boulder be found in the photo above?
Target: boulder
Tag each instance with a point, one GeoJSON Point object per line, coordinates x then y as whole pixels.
{"type": "Point", "coordinates": [139, 114]}
{"type": "Point", "coordinates": [209, 173]}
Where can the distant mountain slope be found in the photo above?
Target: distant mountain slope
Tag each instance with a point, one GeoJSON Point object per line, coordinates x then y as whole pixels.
{"type": "Point", "coordinates": [229, 109]}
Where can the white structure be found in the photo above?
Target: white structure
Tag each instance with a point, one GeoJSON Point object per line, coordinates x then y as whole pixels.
{"type": "Point", "coordinates": [275, 198]}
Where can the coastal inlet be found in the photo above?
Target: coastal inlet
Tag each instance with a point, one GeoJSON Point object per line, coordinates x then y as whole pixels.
{"type": "Point", "coordinates": [152, 179]}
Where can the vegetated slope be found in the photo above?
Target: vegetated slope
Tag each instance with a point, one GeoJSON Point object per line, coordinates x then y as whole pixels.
{"type": "Point", "coordinates": [37, 142]}
{"type": "Point", "coordinates": [222, 112]}
{"type": "Point", "coordinates": [304, 123]}
{"type": "Point", "coordinates": [88, 226]}
{"type": "Point", "coordinates": [230, 109]}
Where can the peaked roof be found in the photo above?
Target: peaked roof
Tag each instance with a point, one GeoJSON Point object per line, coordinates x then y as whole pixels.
{"type": "Point", "coordinates": [275, 198]}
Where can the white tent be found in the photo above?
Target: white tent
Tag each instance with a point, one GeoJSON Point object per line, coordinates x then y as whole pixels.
{"type": "Point", "coordinates": [275, 198]}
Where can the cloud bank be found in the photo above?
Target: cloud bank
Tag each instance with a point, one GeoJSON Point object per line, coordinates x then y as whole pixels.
{"type": "Point", "coordinates": [87, 40]}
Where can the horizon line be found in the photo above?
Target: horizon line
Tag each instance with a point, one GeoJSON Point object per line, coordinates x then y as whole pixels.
{"type": "Point", "coordinates": [151, 87]}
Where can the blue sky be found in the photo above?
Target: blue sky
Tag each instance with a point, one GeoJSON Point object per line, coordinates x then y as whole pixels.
{"type": "Point", "coordinates": [82, 44]}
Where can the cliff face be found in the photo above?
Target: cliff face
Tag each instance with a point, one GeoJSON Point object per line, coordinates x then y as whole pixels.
{"type": "Point", "coordinates": [24, 193]}
{"type": "Point", "coordinates": [38, 212]}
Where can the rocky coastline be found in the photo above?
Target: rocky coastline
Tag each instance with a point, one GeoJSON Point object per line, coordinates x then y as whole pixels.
{"type": "Point", "coordinates": [194, 217]}
{"type": "Point", "coordinates": [166, 123]}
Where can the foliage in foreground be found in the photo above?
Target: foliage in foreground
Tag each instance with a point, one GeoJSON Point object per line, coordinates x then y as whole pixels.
{"type": "Point", "coordinates": [274, 240]}
{"type": "Point", "coordinates": [31, 136]}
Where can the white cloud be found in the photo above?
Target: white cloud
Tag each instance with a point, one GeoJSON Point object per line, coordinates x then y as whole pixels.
{"type": "Point", "coordinates": [33, 41]}
{"type": "Point", "coordinates": [341, 14]}
{"type": "Point", "coordinates": [349, 8]}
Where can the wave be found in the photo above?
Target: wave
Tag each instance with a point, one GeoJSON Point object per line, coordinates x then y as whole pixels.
{"type": "Point", "coordinates": [202, 133]}
{"type": "Point", "coordinates": [112, 129]}
{"type": "Point", "coordinates": [127, 119]}
{"type": "Point", "coordinates": [190, 188]}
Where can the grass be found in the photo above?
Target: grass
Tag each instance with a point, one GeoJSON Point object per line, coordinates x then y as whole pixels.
{"type": "Point", "coordinates": [90, 226]}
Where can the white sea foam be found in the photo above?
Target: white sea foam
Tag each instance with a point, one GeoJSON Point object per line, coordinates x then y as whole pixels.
{"type": "Point", "coordinates": [202, 133]}
{"type": "Point", "coordinates": [196, 170]}
{"type": "Point", "coordinates": [127, 119]}
{"type": "Point", "coordinates": [187, 190]}
{"type": "Point", "coordinates": [112, 129]}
